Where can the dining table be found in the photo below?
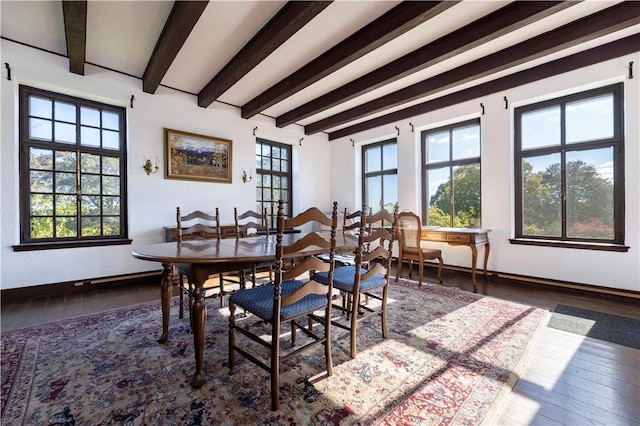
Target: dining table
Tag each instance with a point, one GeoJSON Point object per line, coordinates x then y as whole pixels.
{"type": "Point", "coordinates": [206, 257]}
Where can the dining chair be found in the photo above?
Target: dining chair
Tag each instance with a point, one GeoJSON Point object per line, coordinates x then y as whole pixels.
{"type": "Point", "coordinates": [251, 224]}
{"type": "Point", "coordinates": [291, 298]}
{"type": "Point", "coordinates": [194, 225]}
{"type": "Point", "coordinates": [375, 248]}
{"type": "Point", "coordinates": [408, 232]}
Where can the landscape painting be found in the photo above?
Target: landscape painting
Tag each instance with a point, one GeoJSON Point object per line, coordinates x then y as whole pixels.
{"type": "Point", "coordinates": [196, 157]}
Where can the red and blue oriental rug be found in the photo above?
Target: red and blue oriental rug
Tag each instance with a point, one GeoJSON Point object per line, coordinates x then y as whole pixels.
{"type": "Point", "coordinates": [451, 358]}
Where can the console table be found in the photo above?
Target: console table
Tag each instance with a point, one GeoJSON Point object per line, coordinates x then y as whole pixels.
{"type": "Point", "coordinates": [471, 237]}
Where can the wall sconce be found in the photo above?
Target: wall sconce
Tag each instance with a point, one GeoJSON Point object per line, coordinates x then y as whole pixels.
{"type": "Point", "coordinates": [246, 178]}
{"type": "Point", "coordinates": [149, 168]}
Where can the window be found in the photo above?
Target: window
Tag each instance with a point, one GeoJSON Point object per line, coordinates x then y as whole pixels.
{"type": "Point", "coordinates": [569, 168]}
{"type": "Point", "coordinates": [72, 172]}
{"type": "Point", "coordinates": [273, 172]}
{"type": "Point", "coordinates": [380, 174]}
{"type": "Point", "coordinates": [451, 175]}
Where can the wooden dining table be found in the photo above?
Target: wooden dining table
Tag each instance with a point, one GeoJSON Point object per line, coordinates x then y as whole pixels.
{"type": "Point", "coordinates": [207, 257]}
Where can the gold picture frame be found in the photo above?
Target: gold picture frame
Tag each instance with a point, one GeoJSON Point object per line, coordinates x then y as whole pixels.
{"type": "Point", "coordinates": [190, 156]}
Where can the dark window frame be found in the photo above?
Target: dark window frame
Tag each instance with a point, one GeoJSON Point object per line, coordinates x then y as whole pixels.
{"type": "Point", "coordinates": [450, 164]}
{"type": "Point", "coordinates": [381, 173]}
{"type": "Point", "coordinates": [28, 243]}
{"type": "Point", "coordinates": [260, 202]}
{"type": "Point", "coordinates": [616, 142]}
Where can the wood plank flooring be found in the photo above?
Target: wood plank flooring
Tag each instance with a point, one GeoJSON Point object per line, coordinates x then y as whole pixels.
{"type": "Point", "coordinates": [569, 379]}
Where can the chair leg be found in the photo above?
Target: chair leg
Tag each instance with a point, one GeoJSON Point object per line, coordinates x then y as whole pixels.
{"type": "Point", "coordinates": [181, 314]}
{"type": "Point", "coordinates": [440, 269]}
{"type": "Point", "coordinates": [420, 272]}
{"type": "Point", "coordinates": [232, 334]}
{"type": "Point", "coordinates": [327, 342]}
{"type": "Point", "coordinates": [383, 313]}
{"type": "Point", "coordinates": [399, 268]}
{"type": "Point", "coordinates": [355, 303]}
{"type": "Point", "coordinates": [275, 366]}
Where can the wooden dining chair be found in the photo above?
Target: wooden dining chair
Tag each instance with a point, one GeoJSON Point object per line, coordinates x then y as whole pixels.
{"type": "Point", "coordinates": [250, 224]}
{"type": "Point", "coordinates": [409, 248]}
{"type": "Point", "coordinates": [375, 248]}
{"type": "Point", "coordinates": [194, 225]}
{"type": "Point", "coordinates": [291, 298]}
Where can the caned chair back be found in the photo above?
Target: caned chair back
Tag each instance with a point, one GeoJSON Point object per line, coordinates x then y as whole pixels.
{"type": "Point", "coordinates": [408, 230]}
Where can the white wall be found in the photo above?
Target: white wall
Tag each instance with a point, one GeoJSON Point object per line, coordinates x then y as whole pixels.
{"type": "Point", "coordinates": [600, 268]}
{"type": "Point", "coordinates": [152, 199]}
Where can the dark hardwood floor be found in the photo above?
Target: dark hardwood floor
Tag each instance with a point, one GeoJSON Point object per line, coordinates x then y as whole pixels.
{"type": "Point", "coordinates": [569, 379]}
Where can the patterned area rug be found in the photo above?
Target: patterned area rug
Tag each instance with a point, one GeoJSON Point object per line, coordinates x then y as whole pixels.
{"type": "Point", "coordinates": [451, 358]}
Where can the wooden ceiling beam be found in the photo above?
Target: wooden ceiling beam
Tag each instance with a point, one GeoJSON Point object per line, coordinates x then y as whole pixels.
{"type": "Point", "coordinates": [290, 19]}
{"type": "Point", "coordinates": [573, 62]}
{"type": "Point", "coordinates": [607, 21]}
{"type": "Point", "coordinates": [397, 21]}
{"type": "Point", "coordinates": [511, 17]}
{"type": "Point", "coordinates": [75, 30]}
{"type": "Point", "coordinates": [180, 23]}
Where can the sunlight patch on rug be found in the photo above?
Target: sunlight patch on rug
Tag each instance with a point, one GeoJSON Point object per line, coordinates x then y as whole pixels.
{"type": "Point", "coordinates": [450, 358]}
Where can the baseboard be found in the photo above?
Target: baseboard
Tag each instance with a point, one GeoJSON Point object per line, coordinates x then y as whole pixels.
{"type": "Point", "coordinates": [70, 287]}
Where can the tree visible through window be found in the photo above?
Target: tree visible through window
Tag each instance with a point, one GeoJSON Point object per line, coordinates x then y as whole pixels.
{"type": "Point", "coordinates": [451, 175]}
{"type": "Point", "coordinates": [273, 172]}
{"type": "Point", "coordinates": [380, 174]}
{"type": "Point", "coordinates": [72, 171]}
{"type": "Point", "coordinates": [569, 168]}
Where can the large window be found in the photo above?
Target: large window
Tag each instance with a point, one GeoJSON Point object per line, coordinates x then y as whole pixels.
{"type": "Point", "coordinates": [569, 168]}
{"type": "Point", "coordinates": [451, 175]}
{"type": "Point", "coordinates": [273, 171]}
{"type": "Point", "coordinates": [72, 172]}
{"type": "Point", "coordinates": [380, 175]}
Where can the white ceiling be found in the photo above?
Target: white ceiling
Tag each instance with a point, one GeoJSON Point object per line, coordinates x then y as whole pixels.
{"type": "Point", "coordinates": [121, 36]}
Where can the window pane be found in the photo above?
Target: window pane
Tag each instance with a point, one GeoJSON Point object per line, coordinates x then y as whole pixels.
{"type": "Point", "coordinates": [90, 184]}
{"type": "Point", "coordinates": [541, 196]}
{"type": "Point", "coordinates": [89, 136]}
{"type": "Point", "coordinates": [110, 205]}
{"type": "Point", "coordinates": [439, 197]}
{"type": "Point", "coordinates": [110, 121]}
{"type": "Point", "coordinates": [66, 227]}
{"type": "Point", "coordinates": [66, 183]}
{"type": "Point", "coordinates": [110, 185]}
{"type": "Point", "coordinates": [437, 147]}
{"type": "Point", "coordinates": [541, 128]}
{"type": "Point", "coordinates": [390, 190]}
{"type": "Point", "coordinates": [89, 117]}
{"type": "Point", "coordinates": [111, 166]}
{"type": "Point", "coordinates": [89, 163]}
{"type": "Point", "coordinates": [66, 205]}
{"type": "Point", "coordinates": [65, 112]}
{"type": "Point", "coordinates": [372, 162]}
{"type": "Point", "coordinates": [466, 196]}
{"type": "Point", "coordinates": [590, 119]}
{"type": "Point", "coordinates": [390, 156]}
{"type": "Point", "coordinates": [590, 194]}
{"type": "Point", "coordinates": [373, 192]}
{"type": "Point", "coordinates": [90, 205]}
{"type": "Point", "coordinates": [40, 129]}
{"type": "Point", "coordinates": [90, 226]}
{"type": "Point", "coordinates": [41, 227]}
{"type": "Point", "coordinates": [111, 225]}
{"type": "Point", "coordinates": [40, 107]}
{"type": "Point", "coordinates": [466, 142]}
{"type": "Point", "coordinates": [275, 165]}
{"type": "Point", "coordinates": [41, 181]}
{"type": "Point", "coordinates": [41, 205]}
{"type": "Point", "coordinates": [110, 139]}
{"type": "Point", "coordinates": [65, 133]}
{"type": "Point", "coordinates": [284, 182]}
{"type": "Point", "coordinates": [65, 161]}
{"type": "Point", "coordinates": [266, 163]}
{"type": "Point", "coordinates": [41, 159]}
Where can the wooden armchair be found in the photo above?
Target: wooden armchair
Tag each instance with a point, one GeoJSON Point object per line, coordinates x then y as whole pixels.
{"type": "Point", "coordinates": [409, 248]}
{"type": "Point", "coordinates": [289, 299]}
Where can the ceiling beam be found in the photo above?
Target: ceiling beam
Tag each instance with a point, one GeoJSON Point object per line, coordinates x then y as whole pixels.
{"type": "Point", "coordinates": [607, 21]}
{"type": "Point", "coordinates": [290, 19]}
{"type": "Point", "coordinates": [511, 17]}
{"type": "Point", "coordinates": [573, 62]}
{"type": "Point", "coordinates": [75, 30]}
{"type": "Point", "coordinates": [397, 21]}
{"type": "Point", "coordinates": [181, 20]}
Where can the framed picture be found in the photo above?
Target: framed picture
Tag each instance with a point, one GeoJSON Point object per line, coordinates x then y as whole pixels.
{"type": "Point", "coordinates": [196, 157]}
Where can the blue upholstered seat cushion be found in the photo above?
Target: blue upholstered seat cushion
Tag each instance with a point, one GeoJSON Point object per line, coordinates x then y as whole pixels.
{"type": "Point", "coordinates": [344, 279]}
{"type": "Point", "coordinates": [259, 300]}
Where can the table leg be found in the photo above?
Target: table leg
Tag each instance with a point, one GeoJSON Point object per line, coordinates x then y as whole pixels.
{"type": "Point", "coordinates": [474, 259]}
{"type": "Point", "coordinates": [486, 259]}
{"type": "Point", "coordinates": [198, 315]}
{"type": "Point", "coordinates": [166, 289]}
